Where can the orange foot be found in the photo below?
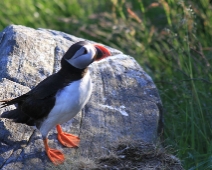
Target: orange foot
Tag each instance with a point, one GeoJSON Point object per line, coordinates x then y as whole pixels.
{"type": "Point", "coordinates": [67, 139]}
{"type": "Point", "coordinates": [54, 155]}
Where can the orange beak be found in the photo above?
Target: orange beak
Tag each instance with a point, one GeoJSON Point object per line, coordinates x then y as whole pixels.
{"type": "Point", "coordinates": [102, 52]}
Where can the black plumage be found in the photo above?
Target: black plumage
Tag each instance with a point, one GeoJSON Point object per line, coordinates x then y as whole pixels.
{"type": "Point", "coordinates": [59, 97]}
{"type": "Point", "coordinates": [38, 102]}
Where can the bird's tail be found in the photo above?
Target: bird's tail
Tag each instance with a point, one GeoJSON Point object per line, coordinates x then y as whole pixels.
{"type": "Point", "coordinates": [12, 114]}
{"type": "Point", "coordinates": [18, 116]}
{"type": "Point", "coordinates": [5, 102]}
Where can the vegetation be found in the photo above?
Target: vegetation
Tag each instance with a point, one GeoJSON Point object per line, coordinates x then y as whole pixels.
{"type": "Point", "coordinates": [171, 39]}
{"type": "Point", "coordinates": [128, 154]}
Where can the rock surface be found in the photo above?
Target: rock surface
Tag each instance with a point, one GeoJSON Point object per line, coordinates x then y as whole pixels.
{"type": "Point", "coordinates": [124, 104]}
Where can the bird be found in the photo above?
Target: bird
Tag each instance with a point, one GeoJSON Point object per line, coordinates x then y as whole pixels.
{"type": "Point", "coordinates": [59, 97]}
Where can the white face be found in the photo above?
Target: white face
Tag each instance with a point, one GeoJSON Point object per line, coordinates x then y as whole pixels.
{"type": "Point", "coordinates": [83, 57]}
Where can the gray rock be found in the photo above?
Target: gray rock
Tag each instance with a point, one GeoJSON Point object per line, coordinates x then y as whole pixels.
{"type": "Point", "coordinates": [124, 104]}
{"type": "Point", "coordinates": [26, 55]}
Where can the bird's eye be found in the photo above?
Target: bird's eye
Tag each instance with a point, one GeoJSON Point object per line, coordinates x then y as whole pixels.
{"type": "Point", "coordinates": [85, 51]}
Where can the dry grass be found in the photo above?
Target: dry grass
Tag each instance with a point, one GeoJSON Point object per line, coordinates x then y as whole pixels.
{"type": "Point", "coordinates": [128, 154]}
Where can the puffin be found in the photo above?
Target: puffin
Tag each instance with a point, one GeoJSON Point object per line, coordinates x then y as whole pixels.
{"type": "Point", "coordinates": [59, 97]}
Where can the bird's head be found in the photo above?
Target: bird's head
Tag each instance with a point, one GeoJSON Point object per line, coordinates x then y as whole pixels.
{"type": "Point", "coordinates": [82, 53]}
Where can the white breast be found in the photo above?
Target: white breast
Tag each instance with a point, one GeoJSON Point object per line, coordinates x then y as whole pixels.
{"type": "Point", "coordinates": [69, 102]}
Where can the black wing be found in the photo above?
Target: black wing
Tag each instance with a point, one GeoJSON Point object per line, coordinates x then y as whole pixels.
{"type": "Point", "coordinates": [38, 102]}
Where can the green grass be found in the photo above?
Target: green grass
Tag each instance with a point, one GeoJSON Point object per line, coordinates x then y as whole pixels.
{"type": "Point", "coordinates": [170, 39]}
